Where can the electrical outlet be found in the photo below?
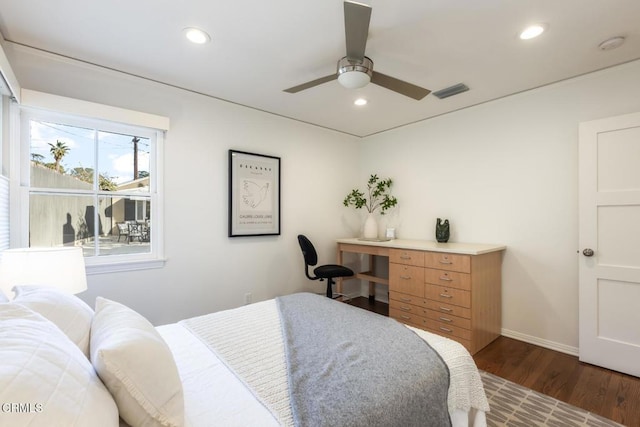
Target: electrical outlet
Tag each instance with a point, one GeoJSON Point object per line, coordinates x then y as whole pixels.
{"type": "Point", "coordinates": [247, 298]}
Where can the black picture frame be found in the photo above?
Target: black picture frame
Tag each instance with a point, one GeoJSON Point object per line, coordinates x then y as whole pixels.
{"type": "Point", "coordinates": [254, 194]}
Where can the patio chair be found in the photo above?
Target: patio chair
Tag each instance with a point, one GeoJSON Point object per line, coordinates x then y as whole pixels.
{"type": "Point", "coordinates": [135, 231]}
{"type": "Point", "coordinates": [123, 230]}
{"type": "Point", "coordinates": [145, 230]}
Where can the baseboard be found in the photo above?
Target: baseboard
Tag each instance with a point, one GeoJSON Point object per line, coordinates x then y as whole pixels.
{"type": "Point", "coordinates": [551, 345]}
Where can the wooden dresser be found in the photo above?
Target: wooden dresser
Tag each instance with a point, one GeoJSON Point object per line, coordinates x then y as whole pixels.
{"type": "Point", "coordinates": [450, 289]}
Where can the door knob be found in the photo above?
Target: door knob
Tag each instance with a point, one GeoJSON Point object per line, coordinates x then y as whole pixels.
{"type": "Point", "coordinates": [588, 252]}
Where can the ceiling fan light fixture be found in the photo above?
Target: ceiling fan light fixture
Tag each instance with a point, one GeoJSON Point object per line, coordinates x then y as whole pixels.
{"type": "Point", "coordinates": [354, 74]}
{"type": "Point", "coordinates": [354, 79]}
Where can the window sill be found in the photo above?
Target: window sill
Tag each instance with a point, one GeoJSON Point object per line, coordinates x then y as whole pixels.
{"type": "Point", "coordinates": [116, 267]}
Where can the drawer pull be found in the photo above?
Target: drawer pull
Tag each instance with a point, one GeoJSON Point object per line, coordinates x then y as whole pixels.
{"type": "Point", "coordinates": [405, 308]}
{"type": "Point", "coordinates": [405, 299]}
{"type": "Point", "coordinates": [444, 319]}
{"type": "Point", "coordinates": [445, 296]}
{"type": "Point", "coordinates": [405, 317]}
{"type": "Point", "coordinates": [448, 310]}
{"type": "Point", "coordinates": [405, 257]}
{"type": "Point", "coordinates": [445, 261]}
{"type": "Point", "coordinates": [405, 277]}
{"type": "Point", "coordinates": [446, 278]}
{"type": "Point", "coordinates": [442, 328]}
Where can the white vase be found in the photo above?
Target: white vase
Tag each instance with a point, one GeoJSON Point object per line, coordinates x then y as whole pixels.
{"type": "Point", "coordinates": [370, 227]}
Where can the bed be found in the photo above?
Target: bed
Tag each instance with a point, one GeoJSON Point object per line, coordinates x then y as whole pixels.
{"type": "Point", "coordinates": [69, 365]}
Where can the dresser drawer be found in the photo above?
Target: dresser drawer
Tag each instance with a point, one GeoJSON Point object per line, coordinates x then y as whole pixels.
{"type": "Point", "coordinates": [448, 319]}
{"type": "Point", "coordinates": [450, 279]}
{"type": "Point", "coordinates": [448, 309]}
{"type": "Point", "coordinates": [401, 256]}
{"type": "Point", "coordinates": [448, 295]}
{"type": "Point", "coordinates": [406, 279]}
{"type": "Point", "coordinates": [409, 318]}
{"type": "Point", "coordinates": [447, 330]}
{"type": "Point", "coordinates": [406, 299]}
{"type": "Point", "coordinates": [446, 261]}
{"type": "Point", "coordinates": [407, 308]}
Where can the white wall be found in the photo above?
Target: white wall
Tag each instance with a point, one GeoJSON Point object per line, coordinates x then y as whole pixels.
{"type": "Point", "coordinates": [506, 172]}
{"type": "Point", "coordinates": [205, 270]}
{"type": "Point", "coordinates": [502, 172]}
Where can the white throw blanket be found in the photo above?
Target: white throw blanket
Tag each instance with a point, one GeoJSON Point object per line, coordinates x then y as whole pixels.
{"type": "Point", "coordinates": [249, 340]}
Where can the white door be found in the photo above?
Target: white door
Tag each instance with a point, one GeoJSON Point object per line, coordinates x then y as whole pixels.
{"type": "Point", "coordinates": [609, 238]}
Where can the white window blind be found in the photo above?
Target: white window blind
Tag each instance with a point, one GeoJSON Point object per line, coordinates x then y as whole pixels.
{"type": "Point", "coordinates": [4, 213]}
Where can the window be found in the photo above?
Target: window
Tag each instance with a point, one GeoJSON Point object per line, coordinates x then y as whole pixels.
{"type": "Point", "coordinates": [93, 184]}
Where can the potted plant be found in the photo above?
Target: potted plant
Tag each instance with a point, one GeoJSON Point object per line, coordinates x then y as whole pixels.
{"type": "Point", "coordinates": [378, 198]}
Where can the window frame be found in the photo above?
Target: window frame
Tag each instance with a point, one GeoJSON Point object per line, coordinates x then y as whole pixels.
{"type": "Point", "coordinates": [97, 264]}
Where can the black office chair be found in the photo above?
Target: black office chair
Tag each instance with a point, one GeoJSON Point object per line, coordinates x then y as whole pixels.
{"type": "Point", "coordinates": [328, 271]}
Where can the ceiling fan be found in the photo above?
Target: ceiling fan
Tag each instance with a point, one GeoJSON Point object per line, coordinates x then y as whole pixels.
{"type": "Point", "coordinates": [356, 70]}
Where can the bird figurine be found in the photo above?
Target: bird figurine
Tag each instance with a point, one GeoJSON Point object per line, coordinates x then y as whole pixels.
{"type": "Point", "coordinates": [442, 231]}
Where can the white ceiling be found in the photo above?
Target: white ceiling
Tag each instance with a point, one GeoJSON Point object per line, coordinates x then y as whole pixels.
{"type": "Point", "coordinates": [259, 48]}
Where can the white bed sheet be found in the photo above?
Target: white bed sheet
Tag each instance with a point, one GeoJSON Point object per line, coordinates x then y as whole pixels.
{"type": "Point", "coordinates": [213, 395]}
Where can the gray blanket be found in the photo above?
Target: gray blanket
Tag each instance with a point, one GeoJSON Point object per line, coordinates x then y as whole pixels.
{"type": "Point", "coordinates": [350, 367]}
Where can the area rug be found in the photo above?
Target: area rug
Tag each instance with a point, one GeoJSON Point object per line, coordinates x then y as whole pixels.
{"type": "Point", "coordinates": [516, 406]}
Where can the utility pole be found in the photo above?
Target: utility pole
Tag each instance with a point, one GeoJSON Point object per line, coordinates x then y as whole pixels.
{"type": "Point", "coordinates": [135, 141]}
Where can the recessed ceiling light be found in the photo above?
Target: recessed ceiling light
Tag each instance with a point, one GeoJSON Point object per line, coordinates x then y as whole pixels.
{"type": "Point", "coordinates": [196, 35]}
{"type": "Point", "coordinates": [611, 43]}
{"type": "Point", "coordinates": [360, 102]}
{"type": "Point", "coordinates": [532, 31]}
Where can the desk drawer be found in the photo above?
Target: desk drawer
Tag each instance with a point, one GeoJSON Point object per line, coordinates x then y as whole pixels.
{"type": "Point", "coordinates": [448, 309]}
{"type": "Point", "coordinates": [450, 279]}
{"type": "Point", "coordinates": [408, 318]}
{"type": "Point", "coordinates": [395, 296]}
{"type": "Point", "coordinates": [447, 330]}
{"type": "Point", "coordinates": [446, 261]}
{"type": "Point", "coordinates": [402, 256]}
{"type": "Point", "coordinates": [448, 319]}
{"type": "Point", "coordinates": [448, 295]}
{"type": "Point", "coordinates": [406, 279]}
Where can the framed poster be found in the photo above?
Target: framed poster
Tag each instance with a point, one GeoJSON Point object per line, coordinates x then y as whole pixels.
{"type": "Point", "coordinates": [254, 194]}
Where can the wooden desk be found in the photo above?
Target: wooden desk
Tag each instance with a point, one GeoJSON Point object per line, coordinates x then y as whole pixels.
{"type": "Point", "coordinates": [452, 289]}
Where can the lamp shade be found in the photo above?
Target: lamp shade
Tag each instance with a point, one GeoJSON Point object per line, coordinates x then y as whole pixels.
{"type": "Point", "coordinates": [61, 268]}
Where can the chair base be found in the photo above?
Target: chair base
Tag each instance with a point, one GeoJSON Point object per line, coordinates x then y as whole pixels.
{"type": "Point", "coordinates": [341, 297]}
{"type": "Point", "coordinates": [335, 295]}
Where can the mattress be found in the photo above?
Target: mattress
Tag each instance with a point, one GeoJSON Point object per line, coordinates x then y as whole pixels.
{"type": "Point", "coordinates": [214, 393]}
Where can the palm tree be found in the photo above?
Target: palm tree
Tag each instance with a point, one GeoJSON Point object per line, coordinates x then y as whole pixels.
{"type": "Point", "coordinates": [37, 158]}
{"type": "Point", "coordinates": [58, 151]}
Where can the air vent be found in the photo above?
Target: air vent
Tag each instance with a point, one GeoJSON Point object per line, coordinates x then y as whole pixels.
{"type": "Point", "coordinates": [451, 90]}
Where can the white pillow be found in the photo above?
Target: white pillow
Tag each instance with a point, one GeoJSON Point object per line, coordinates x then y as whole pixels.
{"type": "Point", "coordinates": [68, 312]}
{"type": "Point", "coordinates": [136, 365]}
{"type": "Point", "coordinates": [44, 378]}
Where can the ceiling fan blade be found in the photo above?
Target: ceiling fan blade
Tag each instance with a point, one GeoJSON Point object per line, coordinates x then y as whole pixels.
{"type": "Point", "coordinates": [399, 86]}
{"type": "Point", "coordinates": [356, 28]}
{"type": "Point", "coordinates": [312, 83]}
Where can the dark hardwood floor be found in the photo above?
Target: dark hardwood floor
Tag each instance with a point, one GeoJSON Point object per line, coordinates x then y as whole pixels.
{"type": "Point", "coordinates": [607, 393]}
